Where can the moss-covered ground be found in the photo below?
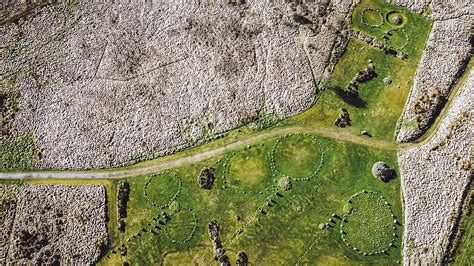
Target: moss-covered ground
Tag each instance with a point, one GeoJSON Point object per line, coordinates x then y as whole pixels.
{"type": "Point", "coordinates": [18, 153]}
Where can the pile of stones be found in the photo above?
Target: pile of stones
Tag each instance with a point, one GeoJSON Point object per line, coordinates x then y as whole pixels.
{"type": "Point", "coordinates": [57, 224]}
{"type": "Point", "coordinates": [242, 259]}
{"type": "Point", "coordinates": [213, 228]}
{"type": "Point", "coordinates": [343, 120]}
{"type": "Point", "coordinates": [122, 199]}
{"type": "Point", "coordinates": [206, 178]}
{"type": "Point", "coordinates": [382, 171]}
{"type": "Point", "coordinates": [361, 77]}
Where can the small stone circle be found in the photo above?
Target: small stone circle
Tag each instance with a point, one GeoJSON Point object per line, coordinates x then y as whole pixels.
{"type": "Point", "coordinates": [191, 234]}
{"type": "Point", "coordinates": [362, 20]}
{"type": "Point", "coordinates": [162, 205]}
{"type": "Point", "coordinates": [348, 212]}
{"type": "Point", "coordinates": [403, 32]}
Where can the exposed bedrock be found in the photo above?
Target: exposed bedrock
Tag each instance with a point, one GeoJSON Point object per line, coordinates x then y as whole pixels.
{"type": "Point", "coordinates": [101, 84]}
{"type": "Point", "coordinates": [434, 178]}
{"type": "Point", "coordinates": [446, 55]}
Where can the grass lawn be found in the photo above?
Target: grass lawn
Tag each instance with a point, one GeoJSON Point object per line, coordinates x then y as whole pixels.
{"type": "Point", "coordinates": [296, 156]}
{"type": "Point", "coordinates": [268, 223]}
{"type": "Point", "coordinates": [18, 153]}
{"type": "Point", "coordinates": [380, 105]}
{"type": "Point", "coordinates": [368, 226]}
{"type": "Point", "coordinates": [248, 168]}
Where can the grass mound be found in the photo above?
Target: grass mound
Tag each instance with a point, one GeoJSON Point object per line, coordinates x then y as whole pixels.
{"type": "Point", "coordinates": [181, 227]}
{"type": "Point", "coordinates": [368, 224]}
{"type": "Point", "coordinates": [297, 156]}
{"type": "Point", "coordinates": [371, 17]}
{"type": "Point", "coordinates": [248, 168]}
{"type": "Point", "coordinates": [162, 189]}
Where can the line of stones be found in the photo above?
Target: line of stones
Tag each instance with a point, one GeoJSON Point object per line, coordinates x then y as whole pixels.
{"type": "Point", "coordinates": [382, 250]}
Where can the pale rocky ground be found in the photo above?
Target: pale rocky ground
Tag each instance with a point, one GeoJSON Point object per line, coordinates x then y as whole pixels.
{"type": "Point", "coordinates": [434, 178]}
{"type": "Point", "coordinates": [53, 223]}
{"type": "Point", "coordinates": [102, 84]}
{"type": "Point", "coordinates": [447, 53]}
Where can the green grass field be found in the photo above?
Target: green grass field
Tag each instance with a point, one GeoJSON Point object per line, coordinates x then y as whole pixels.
{"type": "Point", "coordinates": [380, 105]}
{"type": "Point", "coordinates": [261, 223]}
{"type": "Point", "coordinates": [168, 212]}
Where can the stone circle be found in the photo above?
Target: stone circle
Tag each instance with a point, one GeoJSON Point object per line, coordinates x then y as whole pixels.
{"type": "Point", "coordinates": [168, 195]}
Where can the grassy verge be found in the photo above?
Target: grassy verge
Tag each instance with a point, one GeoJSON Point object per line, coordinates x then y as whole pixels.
{"type": "Point", "coordinates": [18, 153]}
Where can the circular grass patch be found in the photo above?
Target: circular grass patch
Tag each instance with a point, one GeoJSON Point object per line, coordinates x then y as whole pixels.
{"type": "Point", "coordinates": [162, 189]}
{"type": "Point", "coordinates": [372, 18]}
{"type": "Point", "coordinates": [396, 19]}
{"type": "Point", "coordinates": [396, 38]}
{"type": "Point", "coordinates": [248, 168]}
{"type": "Point", "coordinates": [368, 224]}
{"type": "Point", "coordinates": [297, 156]}
{"type": "Point", "coordinates": [181, 226]}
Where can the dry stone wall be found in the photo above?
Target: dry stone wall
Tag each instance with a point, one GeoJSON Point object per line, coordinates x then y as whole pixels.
{"type": "Point", "coordinates": [102, 83]}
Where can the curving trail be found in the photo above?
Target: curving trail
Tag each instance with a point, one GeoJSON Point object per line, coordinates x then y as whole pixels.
{"type": "Point", "coordinates": [197, 156]}
{"type": "Point", "coordinates": [200, 156]}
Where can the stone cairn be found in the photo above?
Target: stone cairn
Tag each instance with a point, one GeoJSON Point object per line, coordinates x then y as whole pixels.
{"type": "Point", "coordinates": [382, 171]}
{"type": "Point", "coordinates": [206, 178]}
{"type": "Point", "coordinates": [242, 259]}
{"type": "Point", "coordinates": [216, 241]}
{"type": "Point", "coordinates": [343, 120]}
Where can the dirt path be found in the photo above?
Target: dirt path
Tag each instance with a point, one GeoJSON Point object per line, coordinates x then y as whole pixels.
{"type": "Point", "coordinates": [200, 156]}
{"type": "Point", "coordinates": [197, 156]}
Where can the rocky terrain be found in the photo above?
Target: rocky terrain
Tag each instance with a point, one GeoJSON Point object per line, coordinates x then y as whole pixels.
{"type": "Point", "coordinates": [444, 59]}
{"type": "Point", "coordinates": [104, 84]}
{"type": "Point", "coordinates": [435, 177]}
{"type": "Point", "coordinates": [53, 224]}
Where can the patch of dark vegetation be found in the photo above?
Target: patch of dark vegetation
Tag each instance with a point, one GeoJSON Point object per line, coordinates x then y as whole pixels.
{"type": "Point", "coordinates": [122, 199]}
{"type": "Point", "coordinates": [301, 19]}
{"type": "Point", "coordinates": [343, 120]}
{"type": "Point", "coordinates": [206, 178]}
{"type": "Point", "coordinates": [242, 259]}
